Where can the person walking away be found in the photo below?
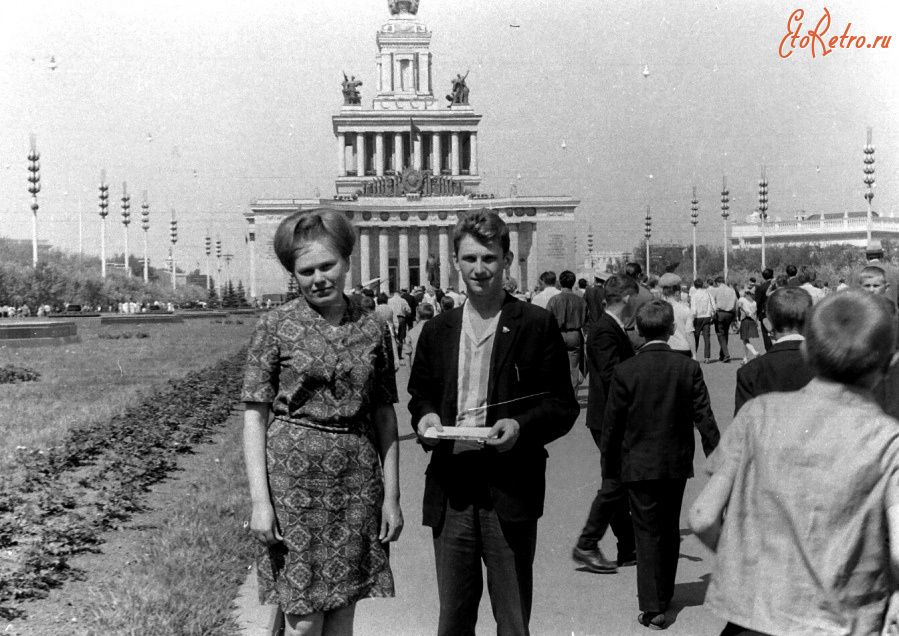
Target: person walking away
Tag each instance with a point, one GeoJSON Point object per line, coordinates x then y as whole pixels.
{"type": "Point", "coordinates": [629, 317]}
{"type": "Point", "coordinates": [425, 313]}
{"type": "Point", "coordinates": [746, 312]}
{"type": "Point", "coordinates": [607, 346]}
{"type": "Point", "coordinates": [726, 310]}
{"type": "Point", "coordinates": [498, 364]}
{"type": "Point", "coordinates": [761, 299]}
{"type": "Point", "coordinates": [324, 474]}
{"type": "Point", "coordinates": [826, 459]}
{"type": "Point", "coordinates": [401, 312]}
{"type": "Point", "coordinates": [548, 289]}
{"type": "Point", "coordinates": [570, 312]}
{"type": "Point", "coordinates": [783, 367]}
{"type": "Point", "coordinates": [655, 400]}
{"type": "Point", "coordinates": [682, 339]}
{"type": "Point", "coordinates": [703, 308]}
{"type": "Point", "coordinates": [594, 296]}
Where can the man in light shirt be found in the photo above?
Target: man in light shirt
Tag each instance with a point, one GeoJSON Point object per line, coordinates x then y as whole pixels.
{"type": "Point", "coordinates": [806, 277]}
{"type": "Point", "coordinates": [703, 307]}
{"type": "Point", "coordinates": [548, 281]}
{"type": "Point", "coordinates": [725, 312]}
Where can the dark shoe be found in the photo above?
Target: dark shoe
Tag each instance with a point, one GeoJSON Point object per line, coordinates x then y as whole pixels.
{"type": "Point", "coordinates": [726, 360]}
{"type": "Point", "coordinates": [625, 560]}
{"type": "Point", "coordinates": [652, 620]}
{"type": "Point", "coordinates": [593, 561]}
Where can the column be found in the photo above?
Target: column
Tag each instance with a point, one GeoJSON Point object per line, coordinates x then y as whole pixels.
{"type": "Point", "coordinates": [251, 247]}
{"type": "Point", "coordinates": [364, 254]}
{"type": "Point", "coordinates": [423, 251]}
{"type": "Point", "coordinates": [454, 154]}
{"type": "Point", "coordinates": [403, 259]}
{"type": "Point", "coordinates": [436, 151]}
{"type": "Point", "coordinates": [380, 83]}
{"type": "Point", "coordinates": [473, 168]}
{"type": "Point", "coordinates": [425, 73]}
{"type": "Point", "coordinates": [529, 276]}
{"type": "Point", "coordinates": [398, 152]}
{"type": "Point", "coordinates": [360, 154]}
{"type": "Point", "coordinates": [341, 155]}
{"type": "Point", "coordinates": [416, 150]}
{"type": "Point", "coordinates": [514, 269]}
{"type": "Point", "coordinates": [379, 154]}
{"type": "Point", "coordinates": [445, 264]}
{"type": "Point", "coordinates": [383, 270]}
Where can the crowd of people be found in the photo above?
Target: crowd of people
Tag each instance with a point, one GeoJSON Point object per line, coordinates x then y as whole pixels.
{"type": "Point", "coordinates": [801, 506]}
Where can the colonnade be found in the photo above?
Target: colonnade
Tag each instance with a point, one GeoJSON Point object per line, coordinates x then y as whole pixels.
{"type": "Point", "coordinates": [399, 248]}
{"type": "Point", "coordinates": [458, 162]}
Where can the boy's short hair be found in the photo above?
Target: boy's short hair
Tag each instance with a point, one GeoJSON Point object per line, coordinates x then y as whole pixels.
{"type": "Point", "coordinates": [719, 279]}
{"type": "Point", "coordinates": [582, 283]}
{"type": "Point", "coordinates": [787, 309]}
{"type": "Point", "coordinates": [767, 273]}
{"type": "Point", "coordinates": [698, 283]}
{"type": "Point", "coordinates": [654, 319]}
{"type": "Point", "coordinates": [447, 303]}
{"type": "Point", "coordinates": [617, 287]}
{"type": "Point", "coordinates": [850, 335]}
{"type": "Point", "coordinates": [308, 225]}
{"type": "Point", "coordinates": [567, 279]}
{"type": "Point", "coordinates": [548, 278]}
{"type": "Point", "coordinates": [791, 270]}
{"type": "Point", "coordinates": [425, 311]}
{"type": "Point", "coordinates": [484, 226]}
{"type": "Point", "coordinates": [872, 271]}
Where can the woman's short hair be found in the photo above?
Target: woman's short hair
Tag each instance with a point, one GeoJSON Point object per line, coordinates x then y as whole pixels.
{"type": "Point", "coordinates": [447, 303]}
{"type": "Point", "coordinates": [314, 224]}
{"type": "Point", "coordinates": [654, 319]}
{"type": "Point", "coordinates": [617, 287]}
{"type": "Point", "coordinates": [850, 335]}
{"type": "Point", "coordinates": [425, 311]}
{"type": "Point", "coordinates": [484, 226]}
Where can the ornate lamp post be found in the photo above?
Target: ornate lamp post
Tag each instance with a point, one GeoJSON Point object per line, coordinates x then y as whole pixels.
{"type": "Point", "coordinates": [647, 233]}
{"type": "Point", "coordinates": [763, 207]}
{"type": "Point", "coordinates": [208, 252]}
{"type": "Point", "coordinates": [126, 220]}
{"type": "Point", "coordinates": [174, 234]}
{"type": "Point", "coordinates": [218, 259]}
{"type": "Point", "coordinates": [725, 207]}
{"type": "Point", "coordinates": [869, 178]}
{"type": "Point", "coordinates": [104, 205]}
{"type": "Point", "coordinates": [34, 179]}
{"type": "Point", "coordinates": [694, 219]}
{"type": "Point", "coordinates": [145, 224]}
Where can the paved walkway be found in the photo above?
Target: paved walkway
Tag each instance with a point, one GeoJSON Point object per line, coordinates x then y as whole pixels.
{"type": "Point", "coordinates": [567, 602]}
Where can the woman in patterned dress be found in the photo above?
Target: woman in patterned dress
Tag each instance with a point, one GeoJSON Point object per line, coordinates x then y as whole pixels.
{"type": "Point", "coordinates": [324, 475]}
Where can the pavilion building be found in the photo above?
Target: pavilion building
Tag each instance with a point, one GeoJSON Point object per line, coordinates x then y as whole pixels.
{"type": "Point", "coordinates": [407, 169]}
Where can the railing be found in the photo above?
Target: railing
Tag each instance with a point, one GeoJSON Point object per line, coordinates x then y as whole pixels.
{"type": "Point", "coordinates": [814, 226]}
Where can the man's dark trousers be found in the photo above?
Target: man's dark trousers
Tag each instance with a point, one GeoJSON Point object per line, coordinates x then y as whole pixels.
{"type": "Point", "coordinates": [655, 511]}
{"type": "Point", "coordinates": [723, 321]}
{"type": "Point", "coordinates": [466, 536]}
{"type": "Point", "coordinates": [609, 508]}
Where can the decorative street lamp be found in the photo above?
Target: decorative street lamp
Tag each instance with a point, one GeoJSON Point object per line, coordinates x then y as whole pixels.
{"type": "Point", "coordinates": [104, 205]}
{"type": "Point", "coordinates": [208, 252]}
{"type": "Point", "coordinates": [218, 259]}
{"type": "Point", "coordinates": [145, 224]}
{"type": "Point", "coordinates": [647, 233]}
{"type": "Point", "coordinates": [34, 179]}
{"type": "Point", "coordinates": [174, 234]}
{"type": "Point", "coordinates": [725, 207]}
{"type": "Point", "coordinates": [694, 219]}
{"type": "Point", "coordinates": [869, 177]}
{"type": "Point", "coordinates": [763, 207]}
{"type": "Point", "coordinates": [126, 220]}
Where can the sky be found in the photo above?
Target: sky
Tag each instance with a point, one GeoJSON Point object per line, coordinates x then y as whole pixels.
{"type": "Point", "coordinates": [207, 106]}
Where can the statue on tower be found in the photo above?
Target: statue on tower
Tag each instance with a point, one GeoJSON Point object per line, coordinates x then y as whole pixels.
{"type": "Point", "coordinates": [460, 90]}
{"type": "Point", "coordinates": [351, 86]}
{"type": "Point", "coordinates": [402, 6]}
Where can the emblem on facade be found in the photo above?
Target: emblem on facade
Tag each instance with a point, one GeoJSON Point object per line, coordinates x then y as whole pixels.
{"type": "Point", "coordinates": [411, 180]}
{"type": "Point", "coordinates": [402, 6]}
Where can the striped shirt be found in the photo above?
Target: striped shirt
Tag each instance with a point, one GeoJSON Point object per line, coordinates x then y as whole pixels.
{"type": "Point", "coordinates": [474, 372]}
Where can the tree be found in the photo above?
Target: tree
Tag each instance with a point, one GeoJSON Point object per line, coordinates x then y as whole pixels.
{"type": "Point", "coordinates": [212, 300]}
{"type": "Point", "coordinates": [241, 295]}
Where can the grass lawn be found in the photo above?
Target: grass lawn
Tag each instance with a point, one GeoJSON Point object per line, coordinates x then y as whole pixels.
{"type": "Point", "coordinates": [101, 376]}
